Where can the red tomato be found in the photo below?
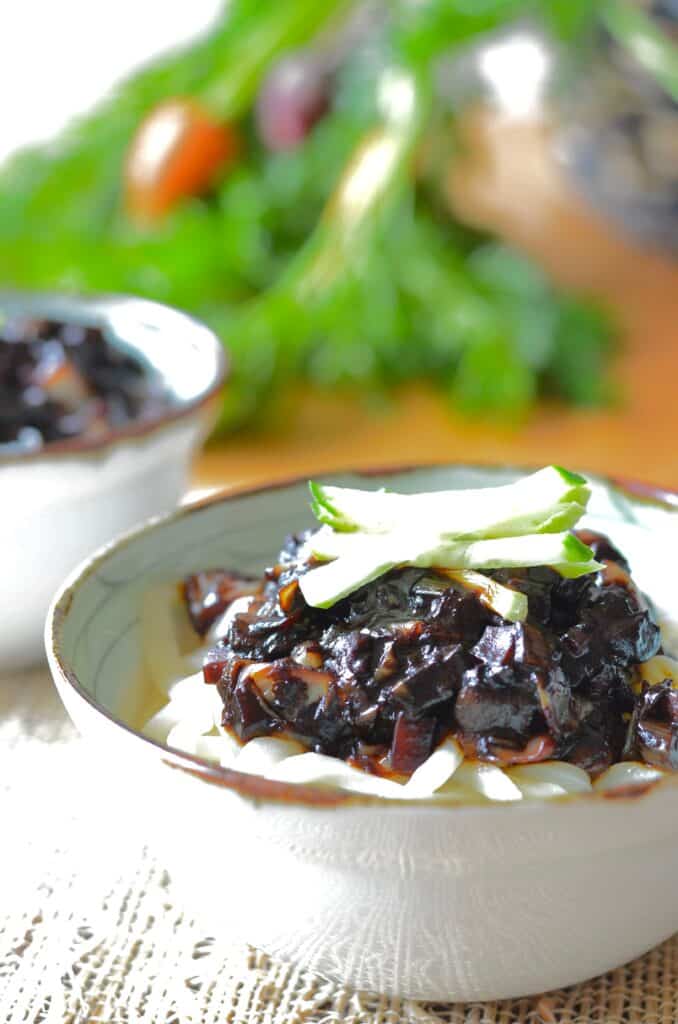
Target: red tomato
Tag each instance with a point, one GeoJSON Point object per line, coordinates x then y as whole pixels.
{"type": "Point", "coordinates": [179, 150]}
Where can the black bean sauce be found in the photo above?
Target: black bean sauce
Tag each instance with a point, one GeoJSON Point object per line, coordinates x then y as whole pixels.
{"type": "Point", "coordinates": [64, 380]}
{"type": "Point", "coordinates": [383, 676]}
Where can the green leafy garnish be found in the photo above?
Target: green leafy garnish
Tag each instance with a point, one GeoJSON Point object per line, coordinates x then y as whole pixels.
{"type": "Point", "coordinates": [301, 284]}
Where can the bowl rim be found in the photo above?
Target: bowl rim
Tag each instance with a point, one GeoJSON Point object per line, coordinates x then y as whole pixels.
{"type": "Point", "coordinates": [258, 788]}
{"type": "Point", "coordinates": [39, 303]}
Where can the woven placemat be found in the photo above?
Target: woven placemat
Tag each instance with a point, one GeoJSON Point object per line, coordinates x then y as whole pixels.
{"type": "Point", "coordinates": [89, 933]}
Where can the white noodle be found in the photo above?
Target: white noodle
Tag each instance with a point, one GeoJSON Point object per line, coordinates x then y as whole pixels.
{"type": "Point", "coordinates": [263, 753]}
{"type": "Point", "coordinates": [549, 778]}
{"type": "Point", "coordinates": [487, 780]}
{"type": "Point", "coordinates": [627, 773]}
{"type": "Point", "coordinates": [322, 770]}
{"type": "Point", "coordinates": [219, 628]}
{"type": "Point", "coordinates": [436, 771]}
{"type": "Point", "coordinates": [166, 639]}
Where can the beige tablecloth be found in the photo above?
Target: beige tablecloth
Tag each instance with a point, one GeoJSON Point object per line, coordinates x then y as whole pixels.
{"type": "Point", "coordinates": [89, 931]}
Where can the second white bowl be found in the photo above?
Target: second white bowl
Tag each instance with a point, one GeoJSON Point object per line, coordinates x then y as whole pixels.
{"type": "Point", "coordinates": [63, 501]}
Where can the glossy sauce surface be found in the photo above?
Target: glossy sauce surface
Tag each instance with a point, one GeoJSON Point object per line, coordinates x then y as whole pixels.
{"type": "Point", "coordinates": [65, 380]}
{"type": "Point", "coordinates": [386, 674]}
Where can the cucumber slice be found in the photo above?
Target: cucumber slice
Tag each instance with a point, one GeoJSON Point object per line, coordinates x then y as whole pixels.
{"type": "Point", "coordinates": [553, 549]}
{"type": "Point", "coordinates": [367, 533]}
{"type": "Point", "coordinates": [509, 604]}
{"type": "Point", "coordinates": [328, 543]}
{"type": "Point", "coordinates": [323, 587]}
{"type": "Point", "coordinates": [366, 557]}
{"type": "Point", "coordinates": [549, 500]}
{"type": "Point", "coordinates": [325, 511]}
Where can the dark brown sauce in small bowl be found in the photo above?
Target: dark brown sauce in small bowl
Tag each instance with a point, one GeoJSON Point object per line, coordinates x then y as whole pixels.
{"type": "Point", "coordinates": [61, 380]}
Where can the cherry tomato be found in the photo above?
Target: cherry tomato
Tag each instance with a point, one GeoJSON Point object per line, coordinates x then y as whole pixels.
{"type": "Point", "coordinates": [178, 151]}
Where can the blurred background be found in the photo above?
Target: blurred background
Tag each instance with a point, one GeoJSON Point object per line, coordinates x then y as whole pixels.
{"type": "Point", "coordinates": [426, 230]}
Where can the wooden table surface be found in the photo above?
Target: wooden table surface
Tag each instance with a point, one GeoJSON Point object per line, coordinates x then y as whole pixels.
{"type": "Point", "coordinates": [510, 183]}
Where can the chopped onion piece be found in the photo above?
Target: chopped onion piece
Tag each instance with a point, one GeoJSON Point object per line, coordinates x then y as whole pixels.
{"type": "Point", "coordinates": [504, 601]}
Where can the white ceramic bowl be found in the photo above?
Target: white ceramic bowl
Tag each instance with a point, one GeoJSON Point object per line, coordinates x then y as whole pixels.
{"type": "Point", "coordinates": [60, 503]}
{"type": "Point", "coordinates": [423, 901]}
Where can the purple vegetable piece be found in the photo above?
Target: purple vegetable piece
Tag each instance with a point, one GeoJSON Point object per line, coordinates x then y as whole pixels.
{"type": "Point", "coordinates": [412, 743]}
{"type": "Point", "coordinates": [294, 96]}
{"type": "Point", "coordinates": [208, 594]}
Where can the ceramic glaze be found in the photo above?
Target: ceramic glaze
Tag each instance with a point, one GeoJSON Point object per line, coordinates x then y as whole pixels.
{"type": "Point", "coordinates": [409, 899]}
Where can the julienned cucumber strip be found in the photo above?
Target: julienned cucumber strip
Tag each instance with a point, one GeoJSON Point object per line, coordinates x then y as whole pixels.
{"type": "Point", "coordinates": [327, 543]}
{"type": "Point", "coordinates": [453, 512]}
{"type": "Point", "coordinates": [565, 515]}
{"type": "Point", "coordinates": [372, 556]}
{"type": "Point", "coordinates": [511, 552]}
{"type": "Point", "coordinates": [567, 476]}
{"type": "Point", "coordinates": [469, 524]}
{"type": "Point", "coordinates": [324, 586]}
{"type": "Point", "coordinates": [367, 533]}
{"type": "Point", "coordinates": [535, 503]}
{"type": "Point", "coordinates": [324, 511]}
